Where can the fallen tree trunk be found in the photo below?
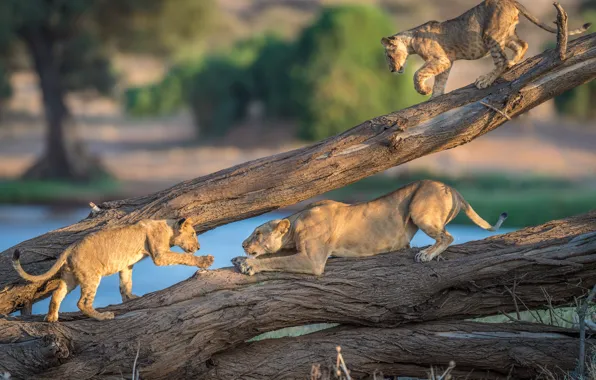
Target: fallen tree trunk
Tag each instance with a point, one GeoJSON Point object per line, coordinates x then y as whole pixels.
{"type": "Point", "coordinates": [266, 184]}
{"type": "Point", "coordinates": [479, 350]}
{"type": "Point", "coordinates": [180, 328]}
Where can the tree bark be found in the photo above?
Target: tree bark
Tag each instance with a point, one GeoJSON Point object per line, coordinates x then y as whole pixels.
{"type": "Point", "coordinates": [180, 328]}
{"type": "Point", "coordinates": [64, 156]}
{"type": "Point", "coordinates": [266, 184]}
{"type": "Point", "coordinates": [479, 350]}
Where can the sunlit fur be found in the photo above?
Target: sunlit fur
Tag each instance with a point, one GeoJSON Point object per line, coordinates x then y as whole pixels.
{"type": "Point", "coordinates": [113, 250]}
{"type": "Point", "coordinates": [486, 29]}
{"type": "Point", "coordinates": [338, 229]}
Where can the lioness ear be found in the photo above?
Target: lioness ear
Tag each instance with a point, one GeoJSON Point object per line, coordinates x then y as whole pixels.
{"type": "Point", "coordinates": [180, 222]}
{"type": "Point", "coordinates": [388, 41]}
{"type": "Point", "coordinates": [188, 222]}
{"type": "Point", "coordinates": [283, 226]}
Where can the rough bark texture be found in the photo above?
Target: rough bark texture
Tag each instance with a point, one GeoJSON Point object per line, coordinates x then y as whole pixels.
{"type": "Point", "coordinates": [480, 351]}
{"type": "Point", "coordinates": [180, 328]}
{"type": "Point", "coordinates": [266, 184]}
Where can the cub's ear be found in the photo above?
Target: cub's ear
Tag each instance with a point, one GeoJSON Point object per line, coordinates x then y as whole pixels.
{"type": "Point", "coordinates": [283, 226]}
{"type": "Point", "coordinates": [388, 41]}
{"type": "Point", "coordinates": [188, 222]}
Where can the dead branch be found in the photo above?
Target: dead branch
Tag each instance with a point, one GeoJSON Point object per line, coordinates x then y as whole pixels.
{"type": "Point", "coordinates": [562, 31]}
{"type": "Point", "coordinates": [582, 312]}
{"type": "Point", "coordinates": [182, 327]}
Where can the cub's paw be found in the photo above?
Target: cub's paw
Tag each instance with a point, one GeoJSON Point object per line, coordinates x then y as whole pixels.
{"type": "Point", "coordinates": [510, 63]}
{"type": "Point", "coordinates": [205, 262]}
{"type": "Point", "coordinates": [105, 316]}
{"type": "Point", "coordinates": [244, 266]}
{"type": "Point", "coordinates": [484, 81]}
{"type": "Point", "coordinates": [423, 89]}
{"type": "Point", "coordinates": [130, 297]}
{"type": "Point", "coordinates": [51, 318]}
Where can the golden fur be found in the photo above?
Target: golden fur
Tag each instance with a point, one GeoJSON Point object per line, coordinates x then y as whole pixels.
{"type": "Point", "coordinates": [114, 250]}
{"type": "Point", "coordinates": [333, 228]}
{"type": "Point", "coordinates": [487, 28]}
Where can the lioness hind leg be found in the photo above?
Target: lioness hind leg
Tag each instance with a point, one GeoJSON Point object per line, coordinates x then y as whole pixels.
{"type": "Point", "coordinates": [443, 239]}
{"type": "Point", "coordinates": [88, 291]}
{"type": "Point", "coordinates": [65, 285]}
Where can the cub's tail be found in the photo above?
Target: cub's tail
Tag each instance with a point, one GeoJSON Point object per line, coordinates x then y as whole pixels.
{"type": "Point", "coordinates": [548, 28]}
{"type": "Point", "coordinates": [42, 277]}
{"type": "Point", "coordinates": [477, 219]}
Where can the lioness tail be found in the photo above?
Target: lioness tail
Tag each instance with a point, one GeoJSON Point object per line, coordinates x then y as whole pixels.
{"type": "Point", "coordinates": [548, 28]}
{"type": "Point", "coordinates": [42, 277]}
{"type": "Point", "coordinates": [477, 219]}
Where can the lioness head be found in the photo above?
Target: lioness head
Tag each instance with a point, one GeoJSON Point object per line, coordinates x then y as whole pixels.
{"type": "Point", "coordinates": [396, 53]}
{"type": "Point", "coordinates": [185, 236]}
{"type": "Point", "coordinates": [267, 238]}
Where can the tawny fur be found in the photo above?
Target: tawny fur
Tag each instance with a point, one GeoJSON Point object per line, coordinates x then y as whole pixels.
{"type": "Point", "coordinates": [114, 250]}
{"type": "Point", "coordinates": [330, 228]}
{"type": "Point", "coordinates": [488, 28]}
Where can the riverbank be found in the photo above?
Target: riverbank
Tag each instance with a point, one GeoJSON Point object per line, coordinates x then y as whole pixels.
{"type": "Point", "coordinates": [528, 200]}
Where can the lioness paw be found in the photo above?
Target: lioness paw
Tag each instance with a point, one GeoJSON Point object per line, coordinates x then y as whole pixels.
{"type": "Point", "coordinates": [51, 318]}
{"type": "Point", "coordinates": [243, 264]}
{"type": "Point", "coordinates": [205, 262]}
{"type": "Point", "coordinates": [422, 257]}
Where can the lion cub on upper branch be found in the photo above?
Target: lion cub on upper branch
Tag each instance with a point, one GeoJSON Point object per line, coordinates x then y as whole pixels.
{"type": "Point", "coordinates": [113, 250]}
{"type": "Point", "coordinates": [487, 28]}
{"type": "Point", "coordinates": [383, 225]}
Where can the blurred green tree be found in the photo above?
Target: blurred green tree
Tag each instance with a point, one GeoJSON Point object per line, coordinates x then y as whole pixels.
{"type": "Point", "coordinates": [68, 43]}
{"type": "Point", "coordinates": [340, 73]}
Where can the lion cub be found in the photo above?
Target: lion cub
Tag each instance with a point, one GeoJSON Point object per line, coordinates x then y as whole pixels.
{"type": "Point", "coordinates": [487, 28]}
{"type": "Point", "coordinates": [386, 224]}
{"type": "Point", "coordinates": [114, 250]}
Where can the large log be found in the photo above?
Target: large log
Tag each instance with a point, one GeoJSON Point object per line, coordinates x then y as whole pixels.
{"type": "Point", "coordinates": [180, 328]}
{"type": "Point", "coordinates": [479, 350]}
{"type": "Point", "coordinates": [266, 184]}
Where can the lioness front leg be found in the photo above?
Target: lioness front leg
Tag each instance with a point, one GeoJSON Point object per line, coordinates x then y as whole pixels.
{"type": "Point", "coordinates": [126, 284]}
{"type": "Point", "coordinates": [298, 263]}
{"type": "Point", "coordinates": [172, 258]}
{"type": "Point", "coordinates": [310, 259]}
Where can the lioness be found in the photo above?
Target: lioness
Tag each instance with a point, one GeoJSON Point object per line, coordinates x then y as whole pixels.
{"type": "Point", "coordinates": [114, 250]}
{"type": "Point", "coordinates": [383, 225]}
{"type": "Point", "coordinates": [488, 27]}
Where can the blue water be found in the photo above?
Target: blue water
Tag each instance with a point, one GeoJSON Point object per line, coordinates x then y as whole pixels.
{"type": "Point", "coordinates": [19, 223]}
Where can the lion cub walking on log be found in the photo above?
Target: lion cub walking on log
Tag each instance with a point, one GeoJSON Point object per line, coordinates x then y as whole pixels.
{"type": "Point", "coordinates": [383, 225]}
{"type": "Point", "coordinates": [114, 250]}
{"type": "Point", "coordinates": [487, 28]}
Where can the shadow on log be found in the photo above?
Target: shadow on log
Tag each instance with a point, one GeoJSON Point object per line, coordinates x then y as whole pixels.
{"type": "Point", "coordinates": [480, 351]}
{"type": "Point", "coordinates": [179, 329]}
{"type": "Point", "coordinates": [266, 184]}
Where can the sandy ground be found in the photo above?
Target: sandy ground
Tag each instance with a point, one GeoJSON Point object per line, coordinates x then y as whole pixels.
{"type": "Point", "coordinates": [151, 154]}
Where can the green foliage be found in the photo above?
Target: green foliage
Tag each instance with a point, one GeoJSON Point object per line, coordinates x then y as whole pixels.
{"type": "Point", "coordinates": [579, 101]}
{"type": "Point", "coordinates": [341, 76]}
{"type": "Point", "coordinates": [332, 78]}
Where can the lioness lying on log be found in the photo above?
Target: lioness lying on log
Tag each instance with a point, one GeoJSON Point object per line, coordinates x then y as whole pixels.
{"type": "Point", "coordinates": [488, 28]}
{"type": "Point", "coordinates": [383, 225]}
{"type": "Point", "coordinates": [114, 250]}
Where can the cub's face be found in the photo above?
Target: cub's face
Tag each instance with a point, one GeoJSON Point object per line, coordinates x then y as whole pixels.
{"type": "Point", "coordinates": [267, 238]}
{"type": "Point", "coordinates": [185, 236]}
{"type": "Point", "coordinates": [396, 53]}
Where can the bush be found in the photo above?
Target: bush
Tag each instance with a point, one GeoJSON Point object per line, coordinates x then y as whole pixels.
{"type": "Point", "coordinates": [341, 76]}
